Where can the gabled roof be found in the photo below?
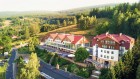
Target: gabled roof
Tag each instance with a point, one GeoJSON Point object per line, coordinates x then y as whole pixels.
{"type": "Point", "coordinates": [77, 38]}
{"type": "Point", "coordinates": [70, 37]}
{"type": "Point", "coordinates": [53, 35]}
{"type": "Point", "coordinates": [62, 36]}
{"type": "Point", "coordinates": [115, 37]}
{"type": "Point", "coordinates": [73, 38]}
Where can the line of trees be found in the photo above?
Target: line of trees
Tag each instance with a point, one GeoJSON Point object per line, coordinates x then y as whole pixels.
{"type": "Point", "coordinates": [86, 22]}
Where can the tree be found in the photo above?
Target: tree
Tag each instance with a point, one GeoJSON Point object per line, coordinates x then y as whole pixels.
{"type": "Point", "coordinates": [138, 72]}
{"type": "Point", "coordinates": [73, 68]}
{"type": "Point", "coordinates": [26, 34]}
{"type": "Point", "coordinates": [81, 54]}
{"type": "Point", "coordinates": [5, 43]}
{"type": "Point", "coordinates": [102, 28]}
{"type": "Point", "coordinates": [34, 29]}
{"type": "Point", "coordinates": [83, 72]}
{"type": "Point", "coordinates": [31, 69]}
{"type": "Point", "coordinates": [31, 47]}
{"type": "Point", "coordinates": [64, 23]}
{"type": "Point", "coordinates": [105, 74]}
{"type": "Point", "coordinates": [58, 23]}
{"type": "Point", "coordinates": [35, 41]}
{"type": "Point", "coordinates": [20, 62]}
{"type": "Point", "coordinates": [74, 20]}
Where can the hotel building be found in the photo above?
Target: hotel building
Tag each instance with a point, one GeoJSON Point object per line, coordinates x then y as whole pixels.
{"type": "Point", "coordinates": [66, 42]}
{"type": "Point", "coordinates": [109, 48]}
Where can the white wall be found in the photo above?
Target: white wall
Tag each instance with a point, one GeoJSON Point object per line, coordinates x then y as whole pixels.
{"type": "Point", "coordinates": [115, 54]}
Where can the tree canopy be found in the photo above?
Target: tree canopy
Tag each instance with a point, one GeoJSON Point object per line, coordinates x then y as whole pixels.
{"type": "Point", "coordinates": [81, 54]}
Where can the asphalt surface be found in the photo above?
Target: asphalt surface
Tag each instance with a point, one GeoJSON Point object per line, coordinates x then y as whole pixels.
{"type": "Point", "coordinates": [55, 73]}
{"type": "Point", "coordinates": [9, 72]}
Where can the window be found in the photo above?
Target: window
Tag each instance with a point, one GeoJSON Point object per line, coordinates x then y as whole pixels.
{"type": "Point", "coordinates": [101, 50]}
{"type": "Point", "coordinates": [113, 42]}
{"type": "Point", "coordinates": [108, 52]}
{"type": "Point", "coordinates": [106, 42]}
{"type": "Point", "coordinates": [102, 41]}
{"type": "Point", "coordinates": [105, 46]}
{"type": "Point", "coordinates": [107, 57]}
{"type": "Point", "coordinates": [101, 55]}
{"type": "Point", "coordinates": [112, 52]}
{"type": "Point", "coordinates": [104, 56]}
{"type": "Point", "coordinates": [112, 47]}
{"type": "Point", "coordinates": [109, 47]}
{"type": "Point", "coordinates": [112, 57]}
{"type": "Point", "coordinates": [122, 42]}
{"type": "Point", "coordinates": [102, 46]}
{"type": "Point", "coordinates": [104, 51]}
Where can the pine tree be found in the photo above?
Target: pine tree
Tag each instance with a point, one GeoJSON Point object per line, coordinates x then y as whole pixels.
{"type": "Point", "coordinates": [64, 23]}
{"type": "Point", "coordinates": [74, 20]}
{"type": "Point", "coordinates": [26, 34]}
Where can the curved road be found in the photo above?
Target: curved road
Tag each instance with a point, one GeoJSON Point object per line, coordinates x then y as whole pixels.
{"type": "Point", "coordinates": [56, 74]}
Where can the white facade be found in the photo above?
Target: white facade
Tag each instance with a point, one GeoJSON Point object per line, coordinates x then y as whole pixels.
{"type": "Point", "coordinates": [107, 54]}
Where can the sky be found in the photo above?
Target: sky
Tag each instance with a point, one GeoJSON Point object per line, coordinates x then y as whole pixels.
{"type": "Point", "coordinates": [52, 5]}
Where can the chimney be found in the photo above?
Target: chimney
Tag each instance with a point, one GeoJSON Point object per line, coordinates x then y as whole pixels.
{"type": "Point", "coordinates": [107, 33]}
{"type": "Point", "coordinates": [120, 34]}
{"type": "Point", "coordinates": [57, 66]}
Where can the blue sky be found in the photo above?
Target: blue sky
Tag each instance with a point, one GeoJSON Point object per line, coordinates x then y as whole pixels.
{"type": "Point", "coordinates": [52, 5]}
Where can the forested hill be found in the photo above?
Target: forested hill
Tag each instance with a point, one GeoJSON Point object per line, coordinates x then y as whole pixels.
{"type": "Point", "coordinates": [124, 18]}
{"type": "Point", "coordinates": [84, 9]}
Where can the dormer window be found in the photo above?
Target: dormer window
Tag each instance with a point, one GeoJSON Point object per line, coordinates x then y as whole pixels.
{"type": "Point", "coordinates": [122, 42]}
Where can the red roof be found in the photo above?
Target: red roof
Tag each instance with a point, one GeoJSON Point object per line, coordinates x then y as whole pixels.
{"type": "Point", "coordinates": [73, 38]}
{"type": "Point", "coordinates": [62, 36]}
{"type": "Point", "coordinates": [116, 37]}
{"type": "Point", "coordinates": [53, 35]}
{"type": "Point", "coordinates": [77, 38]}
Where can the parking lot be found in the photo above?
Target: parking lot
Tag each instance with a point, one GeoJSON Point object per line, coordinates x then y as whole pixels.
{"type": "Point", "coordinates": [55, 50]}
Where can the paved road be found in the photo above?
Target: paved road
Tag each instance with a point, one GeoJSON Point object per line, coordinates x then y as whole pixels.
{"type": "Point", "coordinates": [56, 74]}
{"type": "Point", "coordinates": [9, 72]}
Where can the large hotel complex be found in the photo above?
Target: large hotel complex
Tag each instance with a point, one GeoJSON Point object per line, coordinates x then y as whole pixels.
{"type": "Point", "coordinates": [107, 48]}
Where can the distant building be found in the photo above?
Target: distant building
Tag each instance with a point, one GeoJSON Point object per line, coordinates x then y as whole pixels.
{"type": "Point", "coordinates": [109, 48]}
{"type": "Point", "coordinates": [66, 42]}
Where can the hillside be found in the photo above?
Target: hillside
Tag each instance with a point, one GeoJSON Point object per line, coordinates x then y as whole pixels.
{"type": "Point", "coordinates": [67, 12]}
